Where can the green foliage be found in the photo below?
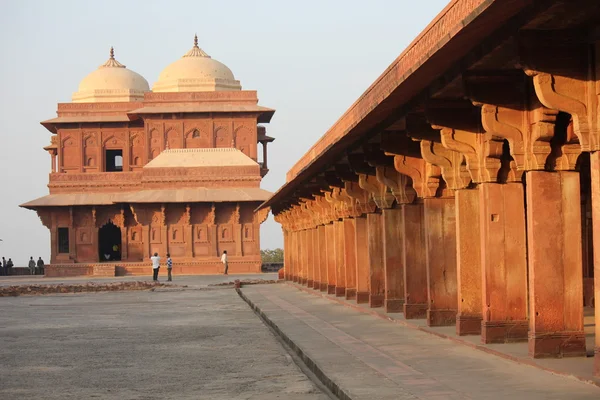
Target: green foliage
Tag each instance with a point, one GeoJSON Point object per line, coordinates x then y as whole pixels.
{"type": "Point", "coordinates": [272, 256]}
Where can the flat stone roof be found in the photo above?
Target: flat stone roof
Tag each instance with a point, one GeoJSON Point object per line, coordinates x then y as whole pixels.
{"type": "Point", "coordinates": [218, 157]}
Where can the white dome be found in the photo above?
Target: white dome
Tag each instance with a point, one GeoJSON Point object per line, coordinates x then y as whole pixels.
{"type": "Point", "coordinates": [196, 72]}
{"type": "Point", "coordinates": [111, 82]}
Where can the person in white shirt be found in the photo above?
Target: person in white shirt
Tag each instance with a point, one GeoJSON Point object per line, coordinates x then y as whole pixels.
{"type": "Point", "coordinates": [155, 266]}
{"type": "Point", "coordinates": [224, 261]}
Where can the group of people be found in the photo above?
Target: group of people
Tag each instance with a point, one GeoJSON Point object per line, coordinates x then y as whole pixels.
{"type": "Point", "coordinates": [156, 266]}
{"type": "Point", "coordinates": [35, 268]}
{"type": "Point", "coordinates": [7, 267]}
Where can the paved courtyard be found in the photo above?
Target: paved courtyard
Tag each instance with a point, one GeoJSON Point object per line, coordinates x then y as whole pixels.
{"type": "Point", "coordinates": [203, 343]}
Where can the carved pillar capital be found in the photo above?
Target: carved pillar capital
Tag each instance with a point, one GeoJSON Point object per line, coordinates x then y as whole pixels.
{"type": "Point", "coordinates": [451, 164]}
{"type": "Point", "coordinates": [397, 184]}
{"type": "Point", "coordinates": [362, 198]}
{"type": "Point", "coordinates": [378, 191]}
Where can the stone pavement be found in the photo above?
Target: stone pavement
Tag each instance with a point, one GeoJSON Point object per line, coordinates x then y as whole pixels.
{"type": "Point", "coordinates": [170, 344]}
{"type": "Point", "coordinates": [365, 357]}
{"type": "Point", "coordinates": [190, 280]}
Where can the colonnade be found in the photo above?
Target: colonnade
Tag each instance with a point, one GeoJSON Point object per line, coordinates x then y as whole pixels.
{"type": "Point", "coordinates": [481, 227]}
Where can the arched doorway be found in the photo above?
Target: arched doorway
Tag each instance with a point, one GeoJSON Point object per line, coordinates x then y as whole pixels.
{"type": "Point", "coordinates": [109, 243]}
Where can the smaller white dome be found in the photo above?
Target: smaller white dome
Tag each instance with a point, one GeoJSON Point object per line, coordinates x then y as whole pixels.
{"type": "Point", "coordinates": [196, 72]}
{"type": "Point", "coordinates": [111, 82]}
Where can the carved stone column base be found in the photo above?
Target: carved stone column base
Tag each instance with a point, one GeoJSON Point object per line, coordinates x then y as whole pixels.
{"type": "Point", "coordinates": [303, 281]}
{"type": "Point", "coordinates": [330, 289]}
{"type": "Point", "coordinates": [350, 294]}
{"type": "Point", "coordinates": [309, 283]}
{"type": "Point", "coordinates": [362, 297]}
{"type": "Point", "coordinates": [316, 285]}
{"type": "Point", "coordinates": [557, 344]}
{"type": "Point", "coordinates": [393, 305]}
{"type": "Point", "coordinates": [376, 300]}
{"type": "Point", "coordinates": [504, 331]}
{"type": "Point", "coordinates": [295, 279]}
{"type": "Point", "coordinates": [323, 287]}
{"type": "Point", "coordinates": [468, 325]}
{"type": "Point", "coordinates": [340, 291]}
{"type": "Point", "coordinates": [415, 311]}
{"type": "Point", "coordinates": [441, 317]}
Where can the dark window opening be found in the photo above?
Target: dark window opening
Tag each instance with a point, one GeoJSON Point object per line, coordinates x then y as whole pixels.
{"type": "Point", "coordinates": [109, 242]}
{"type": "Point", "coordinates": [114, 160]}
{"type": "Point", "coordinates": [63, 240]}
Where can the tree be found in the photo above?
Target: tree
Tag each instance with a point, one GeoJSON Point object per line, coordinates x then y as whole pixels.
{"type": "Point", "coordinates": [272, 256]}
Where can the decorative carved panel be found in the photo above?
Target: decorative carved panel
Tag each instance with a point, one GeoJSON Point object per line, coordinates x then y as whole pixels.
{"type": "Point", "coordinates": [223, 136]}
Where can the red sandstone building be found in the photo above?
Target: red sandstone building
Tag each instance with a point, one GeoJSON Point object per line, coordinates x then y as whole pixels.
{"type": "Point", "coordinates": [463, 186]}
{"type": "Point", "coordinates": [173, 170]}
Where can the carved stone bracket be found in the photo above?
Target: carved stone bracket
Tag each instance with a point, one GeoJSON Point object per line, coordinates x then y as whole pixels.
{"type": "Point", "coordinates": [262, 214]}
{"type": "Point", "coordinates": [45, 216]}
{"type": "Point", "coordinates": [566, 77]}
{"type": "Point", "coordinates": [451, 163]}
{"type": "Point", "coordinates": [482, 152]}
{"type": "Point", "coordinates": [380, 193]}
{"type": "Point", "coordinates": [362, 199]}
{"type": "Point", "coordinates": [528, 133]}
{"type": "Point", "coordinates": [210, 218]}
{"type": "Point", "coordinates": [187, 216]}
{"type": "Point", "coordinates": [397, 183]}
{"type": "Point", "coordinates": [235, 216]}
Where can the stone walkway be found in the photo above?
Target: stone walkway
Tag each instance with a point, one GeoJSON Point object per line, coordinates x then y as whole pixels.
{"type": "Point", "coordinates": [366, 357]}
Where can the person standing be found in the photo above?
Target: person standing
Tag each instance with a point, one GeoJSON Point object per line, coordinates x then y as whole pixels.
{"type": "Point", "coordinates": [4, 270]}
{"type": "Point", "coordinates": [224, 261]}
{"type": "Point", "coordinates": [31, 266]}
{"type": "Point", "coordinates": [169, 268]}
{"type": "Point", "coordinates": [40, 266]}
{"type": "Point", "coordinates": [9, 266]}
{"type": "Point", "coordinates": [155, 266]}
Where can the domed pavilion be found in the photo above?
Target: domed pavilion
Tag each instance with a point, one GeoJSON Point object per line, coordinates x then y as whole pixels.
{"type": "Point", "coordinates": [174, 170]}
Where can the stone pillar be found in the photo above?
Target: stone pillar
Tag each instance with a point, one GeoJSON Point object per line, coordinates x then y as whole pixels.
{"type": "Point", "coordinates": [307, 256]}
{"type": "Point", "coordinates": [316, 258]}
{"type": "Point", "coordinates": [214, 248]}
{"type": "Point", "coordinates": [440, 232]}
{"type": "Point", "coordinates": [595, 173]}
{"type": "Point", "coordinates": [294, 264]}
{"type": "Point", "coordinates": [237, 231]}
{"type": "Point", "coordinates": [503, 263]}
{"type": "Point", "coordinates": [189, 241]}
{"type": "Point", "coordinates": [124, 244]}
{"type": "Point", "coordinates": [350, 257]}
{"type": "Point", "coordinates": [311, 256]}
{"type": "Point", "coordinates": [415, 266]}
{"type": "Point", "coordinates": [555, 266]}
{"type": "Point", "coordinates": [286, 254]}
{"type": "Point", "coordinates": [330, 243]}
{"type": "Point", "coordinates": [164, 238]}
{"type": "Point", "coordinates": [340, 267]}
{"type": "Point", "coordinates": [95, 244]}
{"type": "Point", "coordinates": [322, 258]}
{"type": "Point", "coordinates": [393, 259]}
{"type": "Point", "coordinates": [362, 260]}
{"type": "Point", "coordinates": [468, 262]}
{"type": "Point", "coordinates": [145, 241]}
{"type": "Point", "coordinates": [300, 251]}
{"type": "Point", "coordinates": [376, 263]}
{"type": "Point", "coordinates": [302, 255]}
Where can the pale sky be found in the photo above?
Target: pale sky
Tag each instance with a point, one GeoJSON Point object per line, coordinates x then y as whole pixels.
{"type": "Point", "coordinates": [309, 60]}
